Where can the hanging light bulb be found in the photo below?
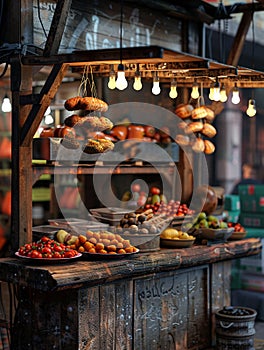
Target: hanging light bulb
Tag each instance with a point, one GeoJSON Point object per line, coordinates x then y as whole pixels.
{"type": "Point", "coordinates": [195, 91]}
{"type": "Point", "coordinates": [211, 93]}
{"type": "Point", "coordinates": [217, 91]}
{"type": "Point", "coordinates": [235, 97]}
{"type": "Point", "coordinates": [137, 82]}
{"type": "Point", "coordinates": [48, 118]}
{"type": "Point", "coordinates": [251, 110]}
{"type": "Point", "coordinates": [156, 87]}
{"type": "Point", "coordinates": [223, 95]}
{"type": "Point", "coordinates": [6, 104]}
{"type": "Point", "coordinates": [121, 82]}
{"type": "Point", "coordinates": [173, 89]}
{"type": "Point", "coordinates": [112, 81]}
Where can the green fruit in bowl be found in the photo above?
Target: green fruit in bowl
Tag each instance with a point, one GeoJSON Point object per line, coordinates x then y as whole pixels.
{"type": "Point", "coordinates": [201, 216]}
{"type": "Point", "coordinates": [203, 224]}
{"type": "Point", "coordinates": [212, 218]}
{"type": "Point", "coordinates": [155, 199]}
{"type": "Point", "coordinates": [223, 224]}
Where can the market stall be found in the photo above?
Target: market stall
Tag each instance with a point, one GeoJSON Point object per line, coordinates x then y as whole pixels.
{"type": "Point", "coordinates": [145, 298]}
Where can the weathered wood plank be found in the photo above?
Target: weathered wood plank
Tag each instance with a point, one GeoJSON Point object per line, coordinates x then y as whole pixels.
{"type": "Point", "coordinates": [46, 95]}
{"type": "Point", "coordinates": [198, 334]}
{"type": "Point", "coordinates": [220, 289]}
{"type": "Point", "coordinates": [124, 311]}
{"type": "Point", "coordinates": [56, 277]}
{"type": "Point", "coordinates": [89, 319]}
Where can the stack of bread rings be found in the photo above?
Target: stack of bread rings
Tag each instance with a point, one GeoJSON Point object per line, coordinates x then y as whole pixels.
{"type": "Point", "coordinates": [87, 128]}
{"type": "Point", "coordinates": [196, 127]}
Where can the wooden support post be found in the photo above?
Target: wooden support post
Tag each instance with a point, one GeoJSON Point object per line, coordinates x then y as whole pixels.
{"type": "Point", "coordinates": [21, 221]}
{"type": "Point", "coordinates": [239, 40]}
{"type": "Point", "coordinates": [57, 27]}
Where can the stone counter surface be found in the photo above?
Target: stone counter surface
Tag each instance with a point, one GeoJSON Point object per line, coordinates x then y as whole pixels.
{"type": "Point", "coordinates": [85, 271]}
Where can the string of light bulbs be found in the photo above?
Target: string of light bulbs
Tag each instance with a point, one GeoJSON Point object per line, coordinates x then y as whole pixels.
{"type": "Point", "coordinates": [121, 82]}
{"type": "Point", "coordinates": [217, 91]}
{"type": "Point", "coordinates": [251, 109]}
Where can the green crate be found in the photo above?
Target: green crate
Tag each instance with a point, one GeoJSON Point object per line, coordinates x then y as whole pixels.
{"type": "Point", "coordinates": [251, 220]}
{"type": "Point", "coordinates": [233, 216]}
{"type": "Point", "coordinates": [251, 198]}
{"type": "Point", "coordinates": [232, 202]}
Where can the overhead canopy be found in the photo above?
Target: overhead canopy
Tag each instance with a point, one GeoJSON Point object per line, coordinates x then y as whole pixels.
{"type": "Point", "coordinates": [185, 68]}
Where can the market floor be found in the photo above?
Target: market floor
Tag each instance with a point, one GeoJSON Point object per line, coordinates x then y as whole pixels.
{"type": "Point", "coordinates": [259, 336]}
{"type": "Point", "coordinates": [259, 328]}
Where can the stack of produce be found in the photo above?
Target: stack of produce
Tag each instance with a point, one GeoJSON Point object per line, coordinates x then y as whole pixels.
{"type": "Point", "coordinates": [147, 133]}
{"type": "Point", "coordinates": [142, 223]}
{"type": "Point", "coordinates": [157, 202]}
{"type": "Point", "coordinates": [103, 242]}
{"type": "Point", "coordinates": [47, 248]}
{"type": "Point", "coordinates": [206, 221]}
{"type": "Point", "coordinates": [172, 233]}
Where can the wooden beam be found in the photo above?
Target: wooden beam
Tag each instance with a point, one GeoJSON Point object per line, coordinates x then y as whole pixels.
{"type": "Point", "coordinates": [242, 8]}
{"type": "Point", "coordinates": [57, 27]}
{"type": "Point", "coordinates": [47, 93]}
{"type": "Point", "coordinates": [239, 40]}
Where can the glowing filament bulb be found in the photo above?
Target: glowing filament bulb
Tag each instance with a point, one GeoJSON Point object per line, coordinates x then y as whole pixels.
{"type": "Point", "coordinates": [217, 91]}
{"type": "Point", "coordinates": [211, 93]}
{"type": "Point", "coordinates": [137, 82]}
{"type": "Point", "coordinates": [195, 91]}
{"type": "Point", "coordinates": [223, 95]}
{"type": "Point", "coordinates": [235, 97]}
{"type": "Point", "coordinates": [251, 110]}
{"type": "Point", "coordinates": [112, 81]}
{"type": "Point", "coordinates": [6, 105]}
{"type": "Point", "coordinates": [156, 87]}
{"type": "Point", "coordinates": [173, 89]}
{"type": "Point", "coordinates": [121, 82]}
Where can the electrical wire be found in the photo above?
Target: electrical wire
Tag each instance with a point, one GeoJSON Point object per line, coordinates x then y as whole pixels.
{"type": "Point", "coordinates": [1, 11]}
{"type": "Point", "coordinates": [40, 20]}
{"type": "Point", "coordinates": [121, 30]}
{"type": "Point", "coordinates": [253, 44]}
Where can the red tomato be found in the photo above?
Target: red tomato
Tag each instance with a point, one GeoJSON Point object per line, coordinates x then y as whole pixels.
{"type": "Point", "coordinates": [35, 254]}
{"type": "Point", "coordinates": [28, 247]}
{"type": "Point", "coordinates": [46, 250]}
{"type": "Point", "coordinates": [149, 130]}
{"type": "Point", "coordinates": [45, 239]}
{"type": "Point", "coordinates": [56, 255]}
{"type": "Point", "coordinates": [154, 190]}
{"type": "Point", "coordinates": [135, 187]}
{"type": "Point", "coordinates": [57, 248]}
{"type": "Point", "coordinates": [69, 254]}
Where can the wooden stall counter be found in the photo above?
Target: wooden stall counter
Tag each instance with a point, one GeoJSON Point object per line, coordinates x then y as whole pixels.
{"type": "Point", "coordinates": [159, 300]}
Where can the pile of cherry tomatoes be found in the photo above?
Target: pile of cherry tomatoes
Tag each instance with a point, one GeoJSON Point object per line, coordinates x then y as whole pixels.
{"type": "Point", "coordinates": [47, 248]}
{"type": "Point", "coordinates": [237, 226]}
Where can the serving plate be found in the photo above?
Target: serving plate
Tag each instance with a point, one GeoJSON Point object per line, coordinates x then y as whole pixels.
{"type": "Point", "coordinates": [47, 260]}
{"type": "Point", "coordinates": [238, 235]}
{"type": "Point", "coordinates": [176, 243]}
{"type": "Point", "coordinates": [87, 255]}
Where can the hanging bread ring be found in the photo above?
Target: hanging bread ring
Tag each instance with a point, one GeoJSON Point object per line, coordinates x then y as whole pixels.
{"type": "Point", "coordinates": [85, 103]}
